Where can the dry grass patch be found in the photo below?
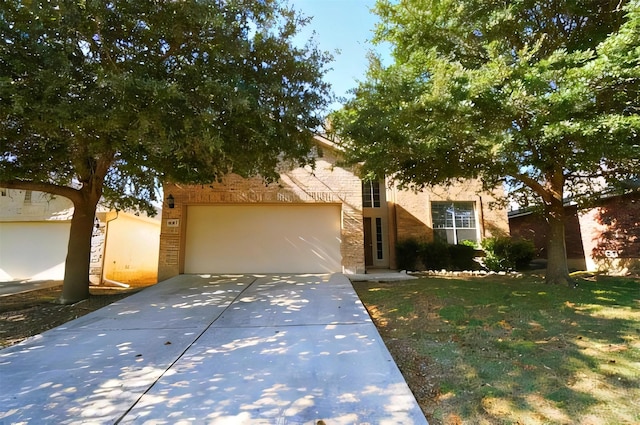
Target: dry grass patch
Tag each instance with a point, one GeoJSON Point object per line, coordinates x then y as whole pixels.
{"type": "Point", "coordinates": [31, 313]}
{"type": "Point", "coordinates": [514, 351]}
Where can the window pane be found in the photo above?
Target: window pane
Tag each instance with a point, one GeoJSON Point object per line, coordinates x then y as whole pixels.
{"type": "Point", "coordinates": [454, 222]}
{"type": "Point", "coordinates": [366, 195]}
{"type": "Point", "coordinates": [379, 250]}
{"type": "Point", "coordinates": [375, 187]}
{"type": "Point", "coordinates": [441, 220]}
{"type": "Point", "coordinates": [371, 194]}
{"type": "Point", "coordinates": [467, 235]}
{"type": "Point", "coordinates": [440, 235]}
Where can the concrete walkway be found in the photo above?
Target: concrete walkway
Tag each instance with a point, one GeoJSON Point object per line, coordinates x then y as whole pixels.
{"type": "Point", "coordinates": [210, 349]}
{"type": "Point", "coordinates": [19, 286]}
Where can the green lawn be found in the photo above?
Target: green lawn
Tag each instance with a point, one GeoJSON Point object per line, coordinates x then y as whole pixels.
{"type": "Point", "coordinates": [500, 350]}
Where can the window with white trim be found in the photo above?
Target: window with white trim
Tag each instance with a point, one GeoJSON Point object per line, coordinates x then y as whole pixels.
{"type": "Point", "coordinates": [371, 194]}
{"type": "Point", "coordinates": [454, 222]}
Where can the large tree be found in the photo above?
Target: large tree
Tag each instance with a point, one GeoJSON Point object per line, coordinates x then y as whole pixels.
{"type": "Point", "coordinates": [104, 100]}
{"type": "Point", "coordinates": [539, 95]}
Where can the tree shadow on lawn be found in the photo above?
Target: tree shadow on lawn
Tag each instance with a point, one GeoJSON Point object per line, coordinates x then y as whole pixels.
{"type": "Point", "coordinates": [504, 349]}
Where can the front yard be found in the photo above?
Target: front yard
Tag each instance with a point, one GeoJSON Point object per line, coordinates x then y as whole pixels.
{"type": "Point", "coordinates": [483, 350]}
{"type": "Point", "coordinates": [501, 350]}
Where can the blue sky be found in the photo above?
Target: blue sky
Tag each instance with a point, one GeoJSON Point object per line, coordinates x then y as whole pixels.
{"type": "Point", "coordinates": [344, 25]}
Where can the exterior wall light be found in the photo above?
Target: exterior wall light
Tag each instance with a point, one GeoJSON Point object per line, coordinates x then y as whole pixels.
{"type": "Point", "coordinates": [171, 202]}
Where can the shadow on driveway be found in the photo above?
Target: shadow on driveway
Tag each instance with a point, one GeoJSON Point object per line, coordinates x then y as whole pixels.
{"type": "Point", "coordinates": [212, 349]}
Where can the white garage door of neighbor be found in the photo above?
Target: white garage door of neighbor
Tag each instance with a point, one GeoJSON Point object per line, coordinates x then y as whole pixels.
{"type": "Point", "coordinates": [33, 250]}
{"type": "Point", "coordinates": [263, 239]}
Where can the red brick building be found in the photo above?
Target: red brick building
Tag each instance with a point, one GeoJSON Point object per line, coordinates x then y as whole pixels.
{"type": "Point", "coordinates": [605, 237]}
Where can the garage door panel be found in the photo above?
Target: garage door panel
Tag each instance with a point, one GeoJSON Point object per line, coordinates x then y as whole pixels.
{"type": "Point", "coordinates": [263, 239]}
{"type": "Point", "coordinates": [35, 250]}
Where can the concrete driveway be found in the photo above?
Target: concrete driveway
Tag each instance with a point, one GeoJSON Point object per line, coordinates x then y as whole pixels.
{"type": "Point", "coordinates": [18, 286]}
{"type": "Point", "coordinates": [211, 349]}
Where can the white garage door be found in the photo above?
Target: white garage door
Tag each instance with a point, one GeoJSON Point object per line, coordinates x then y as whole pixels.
{"type": "Point", "coordinates": [33, 250]}
{"type": "Point", "coordinates": [263, 239]}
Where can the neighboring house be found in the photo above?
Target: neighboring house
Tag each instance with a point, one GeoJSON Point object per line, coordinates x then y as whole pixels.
{"type": "Point", "coordinates": [529, 224]}
{"type": "Point", "coordinates": [34, 234]}
{"type": "Point", "coordinates": [601, 238]}
{"type": "Point", "coordinates": [312, 221]}
{"type": "Point", "coordinates": [130, 251]}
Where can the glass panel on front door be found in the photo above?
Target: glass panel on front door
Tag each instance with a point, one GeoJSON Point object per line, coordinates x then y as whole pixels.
{"type": "Point", "coordinates": [379, 247]}
{"type": "Point", "coordinates": [374, 242]}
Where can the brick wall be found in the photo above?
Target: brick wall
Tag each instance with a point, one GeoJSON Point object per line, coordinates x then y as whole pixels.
{"type": "Point", "coordinates": [611, 234]}
{"type": "Point", "coordinates": [605, 238]}
{"type": "Point", "coordinates": [324, 184]}
{"type": "Point", "coordinates": [413, 209]}
{"type": "Point", "coordinates": [534, 228]}
{"type": "Point", "coordinates": [409, 212]}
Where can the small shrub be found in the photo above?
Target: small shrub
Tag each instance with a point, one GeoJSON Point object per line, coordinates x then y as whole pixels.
{"type": "Point", "coordinates": [467, 242]}
{"type": "Point", "coordinates": [522, 252]}
{"type": "Point", "coordinates": [413, 254]}
{"type": "Point", "coordinates": [504, 253]}
{"type": "Point", "coordinates": [495, 259]}
{"type": "Point", "coordinates": [435, 256]}
{"type": "Point", "coordinates": [461, 257]}
{"type": "Point", "coordinates": [407, 253]}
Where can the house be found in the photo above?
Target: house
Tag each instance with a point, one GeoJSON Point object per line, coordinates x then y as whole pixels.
{"type": "Point", "coordinates": [603, 237]}
{"type": "Point", "coordinates": [34, 234]}
{"type": "Point", "coordinates": [530, 224]}
{"type": "Point", "coordinates": [317, 220]}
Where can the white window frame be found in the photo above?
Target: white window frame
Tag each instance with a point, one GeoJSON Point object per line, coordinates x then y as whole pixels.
{"type": "Point", "coordinates": [371, 194]}
{"type": "Point", "coordinates": [453, 217]}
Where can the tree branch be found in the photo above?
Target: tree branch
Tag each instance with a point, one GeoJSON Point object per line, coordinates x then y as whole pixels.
{"type": "Point", "coordinates": [534, 185]}
{"type": "Point", "coordinates": [100, 46]}
{"type": "Point", "coordinates": [68, 192]}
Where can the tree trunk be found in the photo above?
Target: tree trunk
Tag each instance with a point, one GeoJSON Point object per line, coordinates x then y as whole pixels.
{"type": "Point", "coordinates": [76, 272]}
{"type": "Point", "coordinates": [557, 269]}
{"type": "Point", "coordinates": [85, 201]}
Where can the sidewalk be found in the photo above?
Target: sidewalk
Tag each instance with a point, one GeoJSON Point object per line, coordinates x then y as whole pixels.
{"type": "Point", "coordinates": [381, 275]}
{"type": "Point", "coordinates": [19, 286]}
{"type": "Point", "coordinates": [219, 350]}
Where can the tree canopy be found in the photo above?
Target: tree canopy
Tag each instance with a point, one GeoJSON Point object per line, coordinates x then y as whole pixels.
{"type": "Point", "coordinates": [542, 96]}
{"type": "Point", "coordinates": [107, 99]}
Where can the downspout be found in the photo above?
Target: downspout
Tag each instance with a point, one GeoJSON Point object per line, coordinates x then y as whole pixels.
{"type": "Point", "coordinates": [453, 217]}
{"type": "Point", "coordinates": [482, 228]}
{"type": "Point", "coordinates": [393, 231]}
{"type": "Point", "coordinates": [104, 257]}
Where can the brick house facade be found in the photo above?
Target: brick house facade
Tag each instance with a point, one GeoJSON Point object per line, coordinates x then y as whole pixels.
{"type": "Point", "coordinates": [356, 224]}
{"type": "Point", "coordinates": [532, 226]}
{"type": "Point", "coordinates": [602, 238]}
{"type": "Point", "coordinates": [611, 234]}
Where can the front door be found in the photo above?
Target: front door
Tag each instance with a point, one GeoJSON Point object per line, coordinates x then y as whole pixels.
{"type": "Point", "coordinates": [374, 214]}
{"type": "Point", "coordinates": [368, 243]}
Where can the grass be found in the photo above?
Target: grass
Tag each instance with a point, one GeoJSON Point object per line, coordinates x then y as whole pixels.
{"type": "Point", "coordinates": [500, 350]}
